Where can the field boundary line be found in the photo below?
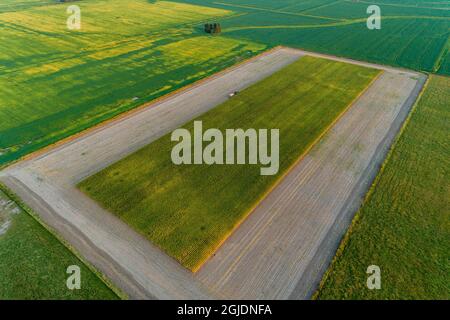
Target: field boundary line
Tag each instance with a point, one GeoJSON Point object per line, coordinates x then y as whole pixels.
{"type": "Point", "coordinates": [137, 110]}
{"type": "Point", "coordinates": [442, 55]}
{"type": "Point", "coordinates": [299, 14]}
{"type": "Point", "coordinates": [331, 24]}
{"type": "Point", "coordinates": [22, 205]}
{"type": "Point", "coordinates": [320, 6]}
{"type": "Point", "coordinates": [343, 244]}
{"type": "Point", "coordinates": [398, 5]}
{"type": "Point", "coordinates": [366, 63]}
{"type": "Point", "coordinates": [284, 175]}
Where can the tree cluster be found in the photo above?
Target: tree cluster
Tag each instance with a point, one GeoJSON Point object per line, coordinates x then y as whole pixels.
{"type": "Point", "coordinates": [213, 28]}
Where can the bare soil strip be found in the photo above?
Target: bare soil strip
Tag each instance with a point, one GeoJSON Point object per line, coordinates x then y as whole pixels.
{"type": "Point", "coordinates": [281, 250]}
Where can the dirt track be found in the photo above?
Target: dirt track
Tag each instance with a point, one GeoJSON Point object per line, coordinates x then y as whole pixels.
{"type": "Point", "coordinates": [283, 247]}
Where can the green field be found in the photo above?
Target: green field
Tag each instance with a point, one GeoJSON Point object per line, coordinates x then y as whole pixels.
{"type": "Point", "coordinates": [188, 210]}
{"type": "Point", "coordinates": [55, 82]}
{"type": "Point", "coordinates": [404, 226]}
{"type": "Point", "coordinates": [413, 33]}
{"type": "Point", "coordinates": [33, 262]}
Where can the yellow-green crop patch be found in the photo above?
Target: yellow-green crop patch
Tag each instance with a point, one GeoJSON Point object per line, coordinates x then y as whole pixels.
{"type": "Point", "coordinates": [55, 82]}
{"type": "Point", "coordinates": [188, 210]}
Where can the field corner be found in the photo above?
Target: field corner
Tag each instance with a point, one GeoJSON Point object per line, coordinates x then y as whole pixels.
{"type": "Point", "coordinates": [10, 194]}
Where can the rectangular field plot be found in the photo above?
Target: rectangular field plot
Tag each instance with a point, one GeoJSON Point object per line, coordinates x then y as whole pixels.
{"type": "Point", "coordinates": [55, 82]}
{"type": "Point", "coordinates": [188, 210]}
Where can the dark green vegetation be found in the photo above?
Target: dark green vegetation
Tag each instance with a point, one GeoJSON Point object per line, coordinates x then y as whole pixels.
{"type": "Point", "coordinates": [188, 210]}
{"type": "Point", "coordinates": [33, 262]}
{"type": "Point", "coordinates": [213, 28]}
{"type": "Point", "coordinates": [404, 225]}
{"type": "Point", "coordinates": [414, 33]}
{"type": "Point", "coordinates": [55, 82]}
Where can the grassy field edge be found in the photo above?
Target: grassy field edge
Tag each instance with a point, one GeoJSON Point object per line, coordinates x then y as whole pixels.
{"type": "Point", "coordinates": [369, 194]}
{"type": "Point", "coordinates": [20, 203]}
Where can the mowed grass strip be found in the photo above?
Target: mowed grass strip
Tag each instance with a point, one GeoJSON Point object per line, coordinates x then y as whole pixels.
{"type": "Point", "coordinates": [188, 210]}
{"type": "Point", "coordinates": [404, 226]}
